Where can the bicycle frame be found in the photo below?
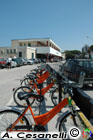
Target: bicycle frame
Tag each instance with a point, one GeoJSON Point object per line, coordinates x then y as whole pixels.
{"type": "Point", "coordinates": [43, 77]}
{"type": "Point", "coordinates": [41, 119]}
{"type": "Point", "coordinates": [43, 90]}
{"type": "Point", "coordinates": [38, 73]}
{"type": "Point", "coordinates": [41, 80]}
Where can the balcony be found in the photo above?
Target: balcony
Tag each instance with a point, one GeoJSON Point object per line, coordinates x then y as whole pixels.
{"type": "Point", "coordinates": [47, 50]}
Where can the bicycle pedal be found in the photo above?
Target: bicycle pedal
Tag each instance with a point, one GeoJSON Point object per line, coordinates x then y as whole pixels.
{"type": "Point", "coordinates": [21, 121]}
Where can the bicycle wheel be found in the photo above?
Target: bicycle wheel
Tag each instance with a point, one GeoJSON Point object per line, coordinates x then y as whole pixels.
{"type": "Point", "coordinates": [8, 117]}
{"type": "Point", "coordinates": [55, 97]}
{"type": "Point", "coordinates": [22, 90]}
{"type": "Point", "coordinates": [69, 121]}
{"type": "Point", "coordinates": [26, 82]}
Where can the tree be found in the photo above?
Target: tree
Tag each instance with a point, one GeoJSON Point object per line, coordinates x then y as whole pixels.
{"type": "Point", "coordinates": [91, 48]}
{"type": "Point", "coordinates": [72, 54]}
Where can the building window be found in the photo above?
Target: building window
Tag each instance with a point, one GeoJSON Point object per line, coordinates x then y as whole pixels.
{"type": "Point", "coordinates": [20, 54]}
{"type": "Point", "coordinates": [15, 51]}
{"type": "Point", "coordinates": [7, 51]}
{"type": "Point", "coordinates": [11, 51]}
{"type": "Point", "coordinates": [24, 44]}
{"type": "Point", "coordinates": [2, 52]}
{"type": "Point", "coordinates": [20, 44]}
{"type": "Point", "coordinates": [29, 44]}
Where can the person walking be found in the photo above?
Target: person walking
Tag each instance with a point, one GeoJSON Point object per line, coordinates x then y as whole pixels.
{"type": "Point", "coordinates": [9, 62]}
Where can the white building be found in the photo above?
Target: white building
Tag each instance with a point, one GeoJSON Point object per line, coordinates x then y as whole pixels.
{"type": "Point", "coordinates": [31, 48]}
{"type": "Point", "coordinates": [24, 52]}
{"type": "Point", "coordinates": [63, 55]}
{"type": "Point", "coordinates": [85, 49]}
{"type": "Point", "coordinates": [44, 46]}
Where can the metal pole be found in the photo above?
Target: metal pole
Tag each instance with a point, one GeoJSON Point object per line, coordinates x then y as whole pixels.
{"type": "Point", "coordinates": [60, 88]}
{"type": "Point", "coordinates": [40, 86]}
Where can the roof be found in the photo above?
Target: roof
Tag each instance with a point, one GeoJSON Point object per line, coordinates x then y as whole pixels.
{"type": "Point", "coordinates": [38, 39]}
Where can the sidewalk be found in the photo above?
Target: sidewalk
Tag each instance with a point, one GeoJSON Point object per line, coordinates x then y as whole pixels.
{"type": "Point", "coordinates": [46, 106]}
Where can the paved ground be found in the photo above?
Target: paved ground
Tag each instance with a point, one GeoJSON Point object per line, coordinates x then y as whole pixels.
{"type": "Point", "coordinates": [10, 79]}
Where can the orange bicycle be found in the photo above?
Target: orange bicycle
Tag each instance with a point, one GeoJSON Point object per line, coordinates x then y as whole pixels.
{"type": "Point", "coordinates": [33, 88]}
{"type": "Point", "coordinates": [41, 74]}
{"type": "Point", "coordinates": [28, 80]}
{"type": "Point", "coordinates": [16, 121]}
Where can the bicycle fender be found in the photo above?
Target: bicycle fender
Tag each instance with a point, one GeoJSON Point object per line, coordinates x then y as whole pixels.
{"type": "Point", "coordinates": [61, 117]}
{"type": "Point", "coordinates": [10, 108]}
{"type": "Point", "coordinates": [14, 89]}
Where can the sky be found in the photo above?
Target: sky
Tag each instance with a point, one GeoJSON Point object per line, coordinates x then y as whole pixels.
{"type": "Point", "coordinates": [66, 22]}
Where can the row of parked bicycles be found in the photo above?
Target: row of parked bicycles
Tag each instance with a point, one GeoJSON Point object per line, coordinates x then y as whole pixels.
{"type": "Point", "coordinates": [33, 87]}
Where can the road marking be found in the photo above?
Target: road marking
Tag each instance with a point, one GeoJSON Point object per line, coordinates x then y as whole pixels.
{"type": "Point", "coordinates": [10, 102]}
{"type": "Point", "coordinates": [85, 120]}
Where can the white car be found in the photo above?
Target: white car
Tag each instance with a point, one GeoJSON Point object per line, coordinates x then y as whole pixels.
{"type": "Point", "coordinates": [30, 62]}
{"type": "Point", "coordinates": [13, 64]}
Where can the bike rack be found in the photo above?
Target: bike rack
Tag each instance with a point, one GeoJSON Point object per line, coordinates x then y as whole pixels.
{"type": "Point", "coordinates": [40, 86]}
{"type": "Point", "coordinates": [82, 100]}
{"type": "Point", "coordinates": [57, 75]}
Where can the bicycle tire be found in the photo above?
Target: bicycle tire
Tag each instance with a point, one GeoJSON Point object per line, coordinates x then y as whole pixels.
{"type": "Point", "coordinates": [22, 103]}
{"type": "Point", "coordinates": [8, 117]}
{"type": "Point", "coordinates": [26, 82]}
{"type": "Point", "coordinates": [55, 97]}
{"type": "Point", "coordinates": [68, 122]}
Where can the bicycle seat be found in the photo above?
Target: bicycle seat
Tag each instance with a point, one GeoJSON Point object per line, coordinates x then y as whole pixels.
{"type": "Point", "coordinates": [26, 95]}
